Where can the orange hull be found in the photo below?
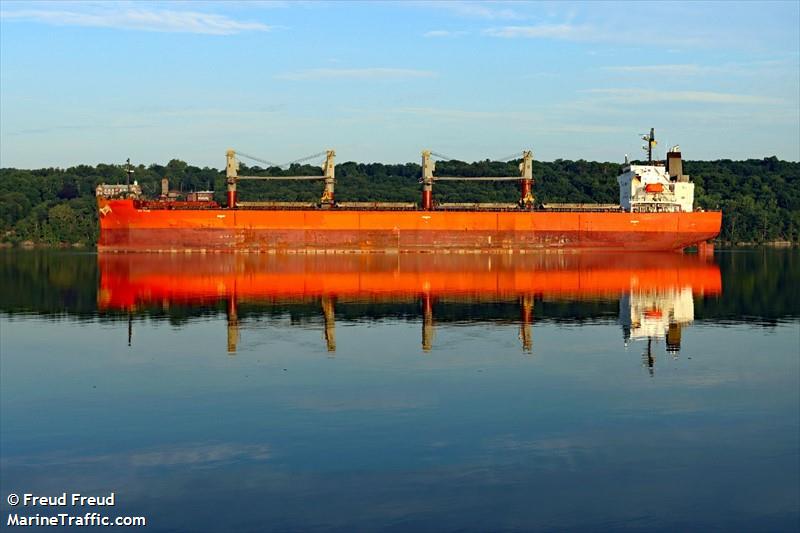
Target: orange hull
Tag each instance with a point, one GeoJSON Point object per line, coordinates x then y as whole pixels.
{"type": "Point", "coordinates": [129, 280]}
{"type": "Point", "coordinates": [124, 227]}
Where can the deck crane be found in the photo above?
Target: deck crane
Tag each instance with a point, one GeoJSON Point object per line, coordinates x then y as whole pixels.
{"type": "Point", "coordinates": [327, 200]}
{"type": "Point", "coordinates": [328, 175]}
{"type": "Point", "coordinates": [525, 179]}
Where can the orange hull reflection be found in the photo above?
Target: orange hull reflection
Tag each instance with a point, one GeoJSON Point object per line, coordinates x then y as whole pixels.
{"type": "Point", "coordinates": [127, 281]}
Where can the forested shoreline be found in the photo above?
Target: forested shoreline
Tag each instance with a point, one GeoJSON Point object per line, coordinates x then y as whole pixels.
{"type": "Point", "coordinates": [759, 198]}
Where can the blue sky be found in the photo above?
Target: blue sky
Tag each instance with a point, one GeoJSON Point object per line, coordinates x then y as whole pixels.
{"type": "Point", "coordinates": [91, 82]}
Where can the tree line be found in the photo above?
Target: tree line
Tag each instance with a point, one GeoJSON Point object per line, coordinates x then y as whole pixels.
{"type": "Point", "coordinates": [759, 198]}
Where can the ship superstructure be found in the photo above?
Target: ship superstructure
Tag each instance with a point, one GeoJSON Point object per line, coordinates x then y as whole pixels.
{"type": "Point", "coordinates": [656, 187]}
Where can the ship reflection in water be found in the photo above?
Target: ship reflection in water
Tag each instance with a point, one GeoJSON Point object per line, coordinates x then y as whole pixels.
{"type": "Point", "coordinates": [655, 292]}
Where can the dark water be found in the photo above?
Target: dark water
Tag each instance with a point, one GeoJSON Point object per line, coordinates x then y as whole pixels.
{"type": "Point", "coordinates": [409, 393]}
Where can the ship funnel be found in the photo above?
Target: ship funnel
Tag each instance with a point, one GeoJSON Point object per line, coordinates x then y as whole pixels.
{"type": "Point", "coordinates": [675, 165]}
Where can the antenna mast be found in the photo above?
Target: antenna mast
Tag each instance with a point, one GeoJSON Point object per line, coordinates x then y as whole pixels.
{"type": "Point", "coordinates": [651, 142]}
{"type": "Point", "coordinates": [128, 172]}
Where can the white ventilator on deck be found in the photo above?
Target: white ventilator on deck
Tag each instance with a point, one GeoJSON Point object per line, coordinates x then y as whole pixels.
{"type": "Point", "coordinates": [656, 186]}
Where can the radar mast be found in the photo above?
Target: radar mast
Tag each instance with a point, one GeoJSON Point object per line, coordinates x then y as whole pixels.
{"type": "Point", "coordinates": [651, 142]}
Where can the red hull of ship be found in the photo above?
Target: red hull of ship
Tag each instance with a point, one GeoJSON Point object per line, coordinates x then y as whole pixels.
{"type": "Point", "coordinates": [124, 227]}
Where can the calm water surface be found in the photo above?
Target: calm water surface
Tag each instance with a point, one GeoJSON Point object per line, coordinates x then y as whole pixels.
{"type": "Point", "coordinates": [408, 393]}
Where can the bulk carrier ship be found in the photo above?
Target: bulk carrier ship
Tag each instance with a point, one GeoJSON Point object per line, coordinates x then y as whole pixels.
{"type": "Point", "coordinates": [655, 213]}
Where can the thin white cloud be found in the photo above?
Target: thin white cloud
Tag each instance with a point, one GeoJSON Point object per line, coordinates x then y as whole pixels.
{"type": "Point", "coordinates": [587, 33]}
{"type": "Point", "coordinates": [528, 120]}
{"type": "Point", "coordinates": [708, 97]}
{"type": "Point", "coordinates": [141, 19]}
{"type": "Point", "coordinates": [443, 33]}
{"type": "Point", "coordinates": [546, 31]}
{"type": "Point", "coordinates": [675, 70]}
{"type": "Point", "coordinates": [379, 73]}
{"type": "Point", "coordinates": [750, 68]}
{"type": "Point", "coordinates": [458, 114]}
{"type": "Point", "coordinates": [474, 9]}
